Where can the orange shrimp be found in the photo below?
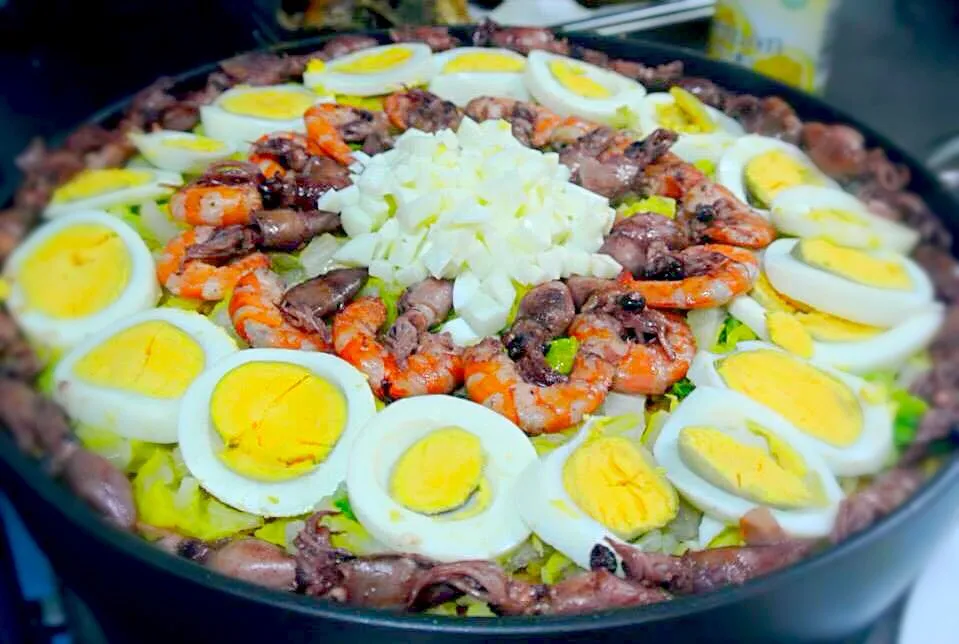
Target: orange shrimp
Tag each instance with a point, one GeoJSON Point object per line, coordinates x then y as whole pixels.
{"type": "Point", "coordinates": [715, 274]}
{"type": "Point", "coordinates": [214, 204]}
{"type": "Point", "coordinates": [322, 122]}
{"type": "Point", "coordinates": [716, 215]}
{"type": "Point", "coordinates": [670, 176]}
{"type": "Point", "coordinates": [493, 380]}
{"type": "Point", "coordinates": [436, 366]}
{"type": "Point", "coordinates": [256, 316]}
{"type": "Point", "coordinates": [649, 368]}
{"type": "Point", "coordinates": [195, 278]}
{"type": "Point", "coordinates": [271, 152]}
{"type": "Point", "coordinates": [529, 120]}
{"type": "Point", "coordinates": [571, 129]}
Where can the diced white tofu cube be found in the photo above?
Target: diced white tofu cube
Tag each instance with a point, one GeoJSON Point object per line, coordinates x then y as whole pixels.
{"type": "Point", "coordinates": [411, 274]}
{"type": "Point", "coordinates": [437, 260]}
{"type": "Point", "coordinates": [484, 314]}
{"type": "Point", "coordinates": [358, 251]}
{"type": "Point", "coordinates": [462, 333]}
{"type": "Point", "coordinates": [356, 221]}
{"type": "Point", "coordinates": [601, 265]}
{"type": "Point", "coordinates": [499, 285]}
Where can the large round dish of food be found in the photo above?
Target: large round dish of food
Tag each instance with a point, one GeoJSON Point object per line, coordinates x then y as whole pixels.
{"type": "Point", "coordinates": [489, 333]}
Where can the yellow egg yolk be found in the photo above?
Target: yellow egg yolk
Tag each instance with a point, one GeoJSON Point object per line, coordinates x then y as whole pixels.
{"type": "Point", "coordinates": [746, 470]}
{"type": "Point", "coordinates": [76, 272]}
{"type": "Point", "coordinates": [787, 331]}
{"type": "Point", "coordinates": [611, 480]}
{"type": "Point", "coordinates": [483, 61]}
{"type": "Point", "coordinates": [277, 420]}
{"type": "Point", "coordinates": [91, 183]}
{"type": "Point", "coordinates": [267, 103]}
{"type": "Point", "coordinates": [576, 79]}
{"type": "Point", "coordinates": [820, 326]}
{"type": "Point", "coordinates": [809, 398]}
{"type": "Point", "coordinates": [854, 265]}
{"type": "Point", "coordinates": [153, 358]}
{"type": "Point", "coordinates": [315, 65]}
{"type": "Point", "coordinates": [770, 173]}
{"type": "Point", "coordinates": [685, 114]}
{"type": "Point", "coordinates": [439, 472]}
{"type": "Point", "coordinates": [193, 143]}
{"type": "Point", "coordinates": [375, 63]}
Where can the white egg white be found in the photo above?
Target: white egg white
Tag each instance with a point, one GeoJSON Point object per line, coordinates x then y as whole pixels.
{"type": "Point", "coordinates": [867, 455]}
{"type": "Point", "coordinates": [141, 291]}
{"type": "Point", "coordinates": [200, 443]}
{"type": "Point", "coordinates": [886, 350]}
{"type": "Point", "coordinates": [702, 147]}
{"type": "Point", "coordinates": [845, 298]}
{"type": "Point", "coordinates": [239, 129]}
{"type": "Point", "coordinates": [335, 78]}
{"type": "Point", "coordinates": [162, 150]}
{"type": "Point", "coordinates": [552, 514]}
{"type": "Point", "coordinates": [791, 212]}
{"type": "Point", "coordinates": [125, 412]}
{"type": "Point", "coordinates": [731, 171]}
{"type": "Point", "coordinates": [649, 118]}
{"type": "Point", "coordinates": [617, 404]}
{"type": "Point", "coordinates": [461, 87]}
{"type": "Point", "coordinates": [727, 410]}
{"type": "Point", "coordinates": [546, 89]}
{"type": "Point", "coordinates": [159, 184]}
{"type": "Point", "coordinates": [485, 535]}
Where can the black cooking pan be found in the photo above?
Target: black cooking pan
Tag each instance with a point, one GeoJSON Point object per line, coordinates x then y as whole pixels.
{"type": "Point", "coordinates": [144, 595]}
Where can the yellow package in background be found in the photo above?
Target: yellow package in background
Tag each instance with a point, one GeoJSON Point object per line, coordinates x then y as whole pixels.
{"type": "Point", "coordinates": [784, 39]}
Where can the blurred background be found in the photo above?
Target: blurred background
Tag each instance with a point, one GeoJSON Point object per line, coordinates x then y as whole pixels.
{"type": "Point", "coordinates": [892, 63]}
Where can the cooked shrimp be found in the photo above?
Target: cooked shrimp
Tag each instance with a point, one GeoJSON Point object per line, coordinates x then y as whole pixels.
{"type": "Point", "coordinates": [195, 278]}
{"type": "Point", "coordinates": [714, 214]}
{"type": "Point", "coordinates": [226, 194]}
{"type": "Point", "coordinates": [714, 275]}
{"type": "Point", "coordinates": [641, 367]}
{"type": "Point", "coordinates": [670, 176]}
{"type": "Point", "coordinates": [493, 380]}
{"type": "Point", "coordinates": [322, 123]}
{"type": "Point", "coordinates": [279, 152]}
{"type": "Point", "coordinates": [256, 316]}
{"type": "Point", "coordinates": [533, 124]}
{"type": "Point", "coordinates": [572, 129]}
{"type": "Point", "coordinates": [435, 366]}
{"type": "Point", "coordinates": [421, 110]}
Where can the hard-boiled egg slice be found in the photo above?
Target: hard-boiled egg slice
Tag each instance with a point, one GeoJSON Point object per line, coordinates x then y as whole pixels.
{"type": "Point", "coordinates": [727, 455]}
{"type": "Point", "coordinates": [243, 114]}
{"type": "Point", "coordinates": [130, 377]}
{"type": "Point", "coordinates": [757, 168]}
{"type": "Point", "coordinates": [830, 340]}
{"type": "Point", "coordinates": [466, 73]}
{"type": "Point", "coordinates": [107, 187]}
{"type": "Point", "coordinates": [181, 151]}
{"type": "Point", "coordinates": [836, 215]}
{"type": "Point", "coordinates": [843, 417]}
{"type": "Point", "coordinates": [269, 431]}
{"type": "Point", "coordinates": [434, 475]}
{"type": "Point", "coordinates": [373, 72]}
{"type": "Point", "coordinates": [571, 87]}
{"type": "Point", "coordinates": [600, 485]}
{"type": "Point", "coordinates": [703, 150]}
{"type": "Point", "coordinates": [879, 288]}
{"type": "Point", "coordinates": [76, 275]}
{"type": "Point", "coordinates": [683, 113]}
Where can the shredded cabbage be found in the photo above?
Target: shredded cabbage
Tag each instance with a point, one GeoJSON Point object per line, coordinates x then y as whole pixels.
{"type": "Point", "coordinates": [731, 536]}
{"type": "Point", "coordinates": [521, 291]}
{"type": "Point", "coordinates": [706, 166]}
{"type": "Point", "coordinates": [317, 257]}
{"type": "Point", "coordinates": [166, 498]}
{"type": "Point", "coordinates": [172, 301]}
{"type": "Point", "coordinates": [287, 266]}
{"type": "Point", "coordinates": [127, 454]}
{"type": "Point", "coordinates": [280, 532]}
{"type": "Point", "coordinates": [732, 333]}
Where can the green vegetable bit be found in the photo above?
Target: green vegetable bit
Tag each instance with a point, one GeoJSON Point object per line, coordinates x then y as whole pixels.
{"type": "Point", "coordinates": [389, 293]}
{"type": "Point", "coordinates": [732, 333]}
{"type": "Point", "coordinates": [681, 389]}
{"type": "Point", "coordinates": [664, 206]}
{"type": "Point", "coordinates": [561, 354]}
